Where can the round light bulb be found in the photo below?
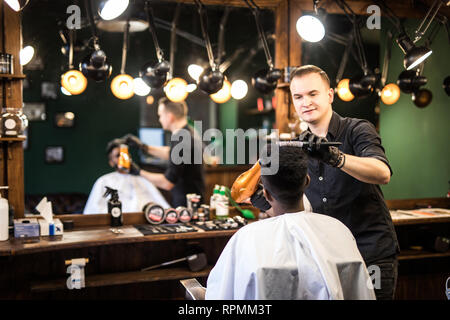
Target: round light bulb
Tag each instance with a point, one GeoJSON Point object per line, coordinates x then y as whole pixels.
{"type": "Point", "coordinates": [310, 28]}
{"type": "Point", "coordinates": [64, 91]}
{"type": "Point", "coordinates": [176, 90]}
{"type": "Point", "coordinates": [14, 4]}
{"type": "Point", "coordinates": [191, 87]}
{"type": "Point", "coordinates": [195, 71]}
{"type": "Point", "coordinates": [113, 8]}
{"type": "Point", "coordinates": [26, 54]}
{"type": "Point", "coordinates": [140, 87]}
{"type": "Point", "coordinates": [343, 90]}
{"type": "Point", "coordinates": [224, 94]}
{"type": "Point", "coordinates": [390, 94]}
{"type": "Point", "coordinates": [74, 82]}
{"type": "Point", "coordinates": [122, 86]}
{"type": "Point", "coordinates": [239, 89]}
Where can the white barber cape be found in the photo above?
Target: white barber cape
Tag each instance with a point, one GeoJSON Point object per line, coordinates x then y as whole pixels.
{"type": "Point", "coordinates": [134, 193]}
{"type": "Point", "coordinates": [299, 255]}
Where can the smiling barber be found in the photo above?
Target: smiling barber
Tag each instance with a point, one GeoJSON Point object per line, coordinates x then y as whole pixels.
{"type": "Point", "coordinates": [345, 181]}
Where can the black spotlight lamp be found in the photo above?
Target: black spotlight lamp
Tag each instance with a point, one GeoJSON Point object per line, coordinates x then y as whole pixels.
{"type": "Point", "coordinates": [413, 55]}
{"type": "Point", "coordinates": [265, 81]}
{"type": "Point", "coordinates": [409, 81]}
{"type": "Point", "coordinates": [446, 85]}
{"type": "Point", "coordinates": [154, 74]}
{"type": "Point", "coordinates": [422, 98]}
{"type": "Point", "coordinates": [211, 79]}
{"type": "Point", "coordinates": [95, 66]}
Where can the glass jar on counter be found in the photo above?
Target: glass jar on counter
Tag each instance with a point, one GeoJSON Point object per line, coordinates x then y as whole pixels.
{"type": "Point", "coordinates": [13, 122]}
{"type": "Point", "coordinates": [6, 63]}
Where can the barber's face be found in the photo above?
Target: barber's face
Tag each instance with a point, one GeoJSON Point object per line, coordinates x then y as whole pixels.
{"type": "Point", "coordinates": [165, 118]}
{"type": "Point", "coordinates": [312, 97]}
{"type": "Point", "coordinates": [114, 157]}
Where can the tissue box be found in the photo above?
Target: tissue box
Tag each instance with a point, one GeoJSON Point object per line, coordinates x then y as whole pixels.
{"type": "Point", "coordinates": [51, 229]}
{"type": "Point", "coordinates": [26, 228]}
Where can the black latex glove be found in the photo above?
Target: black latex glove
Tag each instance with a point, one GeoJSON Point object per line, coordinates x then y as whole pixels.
{"type": "Point", "coordinates": [134, 142]}
{"type": "Point", "coordinates": [259, 201]}
{"type": "Point", "coordinates": [327, 154]}
{"type": "Point", "coordinates": [135, 170]}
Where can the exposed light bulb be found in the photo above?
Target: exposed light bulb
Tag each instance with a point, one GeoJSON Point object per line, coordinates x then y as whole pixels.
{"type": "Point", "coordinates": [140, 87]}
{"type": "Point", "coordinates": [176, 90]}
{"type": "Point", "coordinates": [310, 28]}
{"type": "Point", "coordinates": [390, 94]}
{"type": "Point", "coordinates": [224, 94]}
{"type": "Point", "coordinates": [74, 82]}
{"type": "Point", "coordinates": [239, 89]}
{"type": "Point", "coordinates": [64, 91]}
{"type": "Point", "coordinates": [26, 54]}
{"type": "Point", "coordinates": [195, 71]}
{"type": "Point", "coordinates": [122, 86]}
{"type": "Point", "coordinates": [343, 90]}
{"type": "Point", "coordinates": [191, 87]}
{"type": "Point", "coordinates": [111, 9]}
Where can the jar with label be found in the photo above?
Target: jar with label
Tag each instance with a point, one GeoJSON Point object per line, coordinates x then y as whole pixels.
{"type": "Point", "coordinates": [12, 123]}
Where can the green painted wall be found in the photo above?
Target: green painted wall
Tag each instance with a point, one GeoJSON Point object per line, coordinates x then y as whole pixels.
{"type": "Point", "coordinates": [417, 140]}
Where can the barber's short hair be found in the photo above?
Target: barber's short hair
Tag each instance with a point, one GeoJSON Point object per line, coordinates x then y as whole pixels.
{"type": "Point", "coordinates": [288, 184]}
{"type": "Point", "coordinates": [178, 109]}
{"type": "Point", "coordinates": [307, 69]}
{"type": "Point", "coordinates": [113, 144]}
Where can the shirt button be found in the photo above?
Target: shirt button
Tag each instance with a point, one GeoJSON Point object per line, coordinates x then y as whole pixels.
{"type": "Point", "coordinates": [324, 199]}
{"type": "Point", "coordinates": [320, 178]}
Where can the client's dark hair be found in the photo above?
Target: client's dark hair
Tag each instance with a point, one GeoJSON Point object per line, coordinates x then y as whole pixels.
{"type": "Point", "coordinates": [113, 144]}
{"type": "Point", "coordinates": [288, 184]}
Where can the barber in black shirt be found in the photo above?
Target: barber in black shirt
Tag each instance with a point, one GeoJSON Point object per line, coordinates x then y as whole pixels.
{"type": "Point", "coordinates": [185, 172]}
{"type": "Point", "coordinates": [345, 180]}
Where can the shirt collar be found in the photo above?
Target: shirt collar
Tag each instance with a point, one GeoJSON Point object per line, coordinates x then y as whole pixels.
{"type": "Point", "coordinates": [333, 127]}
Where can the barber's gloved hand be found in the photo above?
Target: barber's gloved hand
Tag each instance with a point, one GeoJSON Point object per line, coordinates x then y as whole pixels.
{"type": "Point", "coordinates": [259, 201]}
{"type": "Point", "coordinates": [135, 170]}
{"type": "Point", "coordinates": [327, 154]}
{"type": "Point", "coordinates": [134, 142]}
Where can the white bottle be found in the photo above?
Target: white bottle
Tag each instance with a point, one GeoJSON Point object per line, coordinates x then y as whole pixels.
{"type": "Point", "coordinates": [215, 196]}
{"type": "Point", "coordinates": [222, 205]}
{"type": "Point", "coordinates": [4, 218]}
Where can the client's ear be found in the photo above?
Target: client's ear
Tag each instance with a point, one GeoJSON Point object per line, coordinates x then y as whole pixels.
{"type": "Point", "coordinates": [307, 180]}
{"type": "Point", "coordinates": [267, 195]}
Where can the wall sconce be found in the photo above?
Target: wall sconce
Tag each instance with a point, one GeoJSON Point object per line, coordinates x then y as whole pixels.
{"type": "Point", "coordinates": [224, 94]}
{"type": "Point", "coordinates": [122, 86]}
{"type": "Point", "coordinates": [310, 27]}
{"type": "Point", "coordinates": [154, 75]}
{"type": "Point", "coordinates": [111, 9]}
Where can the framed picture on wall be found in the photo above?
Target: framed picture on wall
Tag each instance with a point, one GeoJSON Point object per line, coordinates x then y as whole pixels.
{"type": "Point", "coordinates": [54, 154]}
{"type": "Point", "coordinates": [64, 119]}
{"type": "Point", "coordinates": [35, 111]}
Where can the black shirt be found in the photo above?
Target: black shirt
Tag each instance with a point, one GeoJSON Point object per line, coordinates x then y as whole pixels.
{"type": "Point", "coordinates": [360, 206]}
{"type": "Point", "coordinates": [185, 169]}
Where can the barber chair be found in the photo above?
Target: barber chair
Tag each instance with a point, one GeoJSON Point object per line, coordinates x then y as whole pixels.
{"type": "Point", "coordinates": [194, 290]}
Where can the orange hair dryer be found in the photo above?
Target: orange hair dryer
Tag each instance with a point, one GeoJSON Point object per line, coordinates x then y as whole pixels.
{"type": "Point", "coordinates": [246, 184]}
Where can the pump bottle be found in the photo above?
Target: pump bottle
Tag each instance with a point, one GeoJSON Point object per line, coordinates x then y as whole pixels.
{"type": "Point", "coordinates": [114, 207]}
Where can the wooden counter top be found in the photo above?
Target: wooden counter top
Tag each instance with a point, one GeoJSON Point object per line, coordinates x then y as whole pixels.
{"type": "Point", "coordinates": [98, 236]}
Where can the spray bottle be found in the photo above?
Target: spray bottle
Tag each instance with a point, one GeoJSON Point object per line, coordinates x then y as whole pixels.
{"type": "Point", "coordinates": [4, 217]}
{"type": "Point", "coordinates": [114, 207]}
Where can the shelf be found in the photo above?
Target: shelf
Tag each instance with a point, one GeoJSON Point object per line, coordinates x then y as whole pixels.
{"type": "Point", "coordinates": [256, 111]}
{"type": "Point", "coordinates": [121, 278]}
{"type": "Point", "coordinates": [283, 85]}
{"type": "Point", "coordinates": [12, 76]}
{"type": "Point", "coordinates": [18, 138]}
{"type": "Point", "coordinates": [421, 254]}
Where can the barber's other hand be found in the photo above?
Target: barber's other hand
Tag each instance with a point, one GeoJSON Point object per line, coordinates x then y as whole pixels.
{"type": "Point", "coordinates": [134, 142]}
{"type": "Point", "coordinates": [259, 201]}
{"type": "Point", "coordinates": [327, 154]}
{"type": "Point", "coordinates": [135, 170]}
